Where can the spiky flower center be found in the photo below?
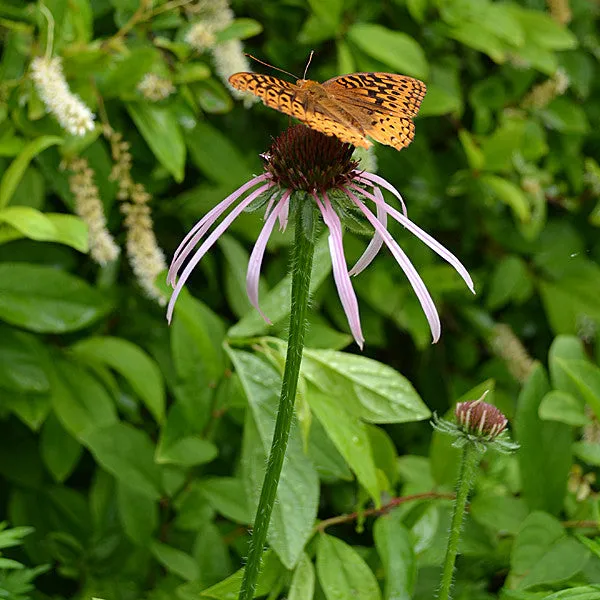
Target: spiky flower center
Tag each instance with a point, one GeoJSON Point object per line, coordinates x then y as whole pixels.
{"type": "Point", "coordinates": [479, 418]}
{"type": "Point", "coordinates": [304, 159]}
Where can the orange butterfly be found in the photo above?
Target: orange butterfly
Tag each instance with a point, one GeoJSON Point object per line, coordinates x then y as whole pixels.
{"type": "Point", "coordinates": [350, 107]}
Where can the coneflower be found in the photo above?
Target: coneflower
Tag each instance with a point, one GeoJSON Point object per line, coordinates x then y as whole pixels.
{"type": "Point", "coordinates": [304, 166]}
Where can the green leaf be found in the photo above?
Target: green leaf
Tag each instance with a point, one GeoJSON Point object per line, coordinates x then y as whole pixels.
{"type": "Point", "coordinates": [132, 363]}
{"type": "Point", "coordinates": [79, 401]}
{"type": "Point", "coordinates": [565, 116]}
{"type": "Point", "coordinates": [126, 71]}
{"type": "Point", "coordinates": [398, 50]}
{"type": "Point", "coordinates": [216, 156]}
{"type": "Point", "coordinates": [160, 128]}
{"type": "Point", "coordinates": [12, 176]}
{"type": "Point", "coordinates": [175, 561]}
{"type": "Point", "coordinates": [586, 378]}
{"type": "Point", "coordinates": [212, 97]}
{"type": "Point", "coordinates": [229, 588]}
{"type": "Point", "coordinates": [503, 514]}
{"type": "Point", "coordinates": [371, 390]}
{"type": "Point", "coordinates": [181, 441]}
{"type": "Point", "coordinates": [587, 592]}
{"type": "Point", "coordinates": [211, 553]}
{"type": "Point", "coordinates": [543, 554]}
{"type": "Point", "coordinates": [235, 275]}
{"type": "Point", "coordinates": [545, 453]}
{"type": "Point", "coordinates": [509, 193]}
{"type": "Point", "coordinates": [350, 437]}
{"type": "Point", "coordinates": [60, 451]}
{"type": "Point", "coordinates": [343, 573]}
{"type": "Point", "coordinates": [475, 36]}
{"type": "Point", "coordinates": [276, 304]}
{"type": "Point", "coordinates": [228, 497]}
{"type": "Point", "coordinates": [510, 281]}
{"type": "Point", "coordinates": [328, 11]}
{"type": "Point", "coordinates": [23, 362]}
{"type": "Point", "coordinates": [46, 300]}
{"type": "Point", "coordinates": [24, 221]}
{"type": "Point", "coordinates": [138, 514]}
{"type": "Point", "coordinates": [329, 463]}
{"type": "Point", "coordinates": [128, 454]}
{"type": "Point", "coordinates": [564, 408]}
{"type": "Point", "coordinates": [303, 580]}
{"type": "Point", "coordinates": [240, 29]}
{"type": "Point", "coordinates": [542, 30]}
{"type": "Point", "coordinates": [395, 548]}
{"type": "Point", "coordinates": [295, 508]}
{"type": "Point", "coordinates": [588, 452]}
{"type": "Point", "coordinates": [473, 152]}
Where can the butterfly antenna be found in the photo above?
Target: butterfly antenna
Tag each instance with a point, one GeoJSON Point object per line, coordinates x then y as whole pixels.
{"type": "Point", "coordinates": [262, 62]}
{"type": "Point", "coordinates": [308, 64]}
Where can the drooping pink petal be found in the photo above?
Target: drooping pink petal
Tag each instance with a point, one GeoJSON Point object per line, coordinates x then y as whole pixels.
{"type": "Point", "coordinates": [376, 241]}
{"type": "Point", "coordinates": [425, 237]}
{"type": "Point", "coordinates": [204, 224]}
{"type": "Point", "coordinates": [258, 252]}
{"type": "Point", "coordinates": [283, 216]}
{"type": "Point", "coordinates": [209, 242]}
{"type": "Point", "coordinates": [414, 278]}
{"type": "Point", "coordinates": [371, 178]}
{"type": "Point", "coordinates": [340, 268]}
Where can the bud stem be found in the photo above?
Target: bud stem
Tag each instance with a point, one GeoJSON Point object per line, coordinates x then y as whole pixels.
{"type": "Point", "coordinates": [470, 460]}
{"type": "Point", "coordinates": [302, 258]}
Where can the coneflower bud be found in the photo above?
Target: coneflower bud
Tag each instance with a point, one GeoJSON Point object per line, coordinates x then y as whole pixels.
{"type": "Point", "coordinates": [480, 419]}
{"type": "Point", "coordinates": [478, 423]}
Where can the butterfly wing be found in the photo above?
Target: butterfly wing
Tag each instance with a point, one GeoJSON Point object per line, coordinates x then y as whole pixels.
{"type": "Point", "coordinates": [292, 99]}
{"type": "Point", "coordinates": [389, 93]}
{"type": "Point", "coordinates": [383, 103]}
{"type": "Point", "coordinates": [331, 123]}
{"type": "Point", "coordinates": [274, 92]}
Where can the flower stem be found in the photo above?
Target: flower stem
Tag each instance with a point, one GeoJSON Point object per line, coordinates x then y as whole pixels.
{"type": "Point", "coordinates": [301, 271]}
{"type": "Point", "coordinates": [470, 460]}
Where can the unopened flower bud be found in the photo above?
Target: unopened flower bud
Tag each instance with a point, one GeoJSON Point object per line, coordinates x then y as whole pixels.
{"type": "Point", "coordinates": [480, 419]}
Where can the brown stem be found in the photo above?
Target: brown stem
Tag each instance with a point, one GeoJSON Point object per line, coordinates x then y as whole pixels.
{"type": "Point", "coordinates": [380, 511]}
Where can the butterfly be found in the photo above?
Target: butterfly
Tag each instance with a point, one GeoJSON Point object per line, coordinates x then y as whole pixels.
{"type": "Point", "coordinates": [349, 107]}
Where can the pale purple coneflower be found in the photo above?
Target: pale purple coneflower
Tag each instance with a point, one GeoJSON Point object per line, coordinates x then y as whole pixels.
{"type": "Point", "coordinates": [322, 169]}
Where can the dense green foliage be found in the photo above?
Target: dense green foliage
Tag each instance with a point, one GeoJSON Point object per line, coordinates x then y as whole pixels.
{"type": "Point", "coordinates": [132, 453]}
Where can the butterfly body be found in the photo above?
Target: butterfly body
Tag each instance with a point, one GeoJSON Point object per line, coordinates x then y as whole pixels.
{"type": "Point", "coordinates": [349, 107]}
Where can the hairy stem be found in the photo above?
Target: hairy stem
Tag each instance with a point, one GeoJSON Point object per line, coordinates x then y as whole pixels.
{"type": "Point", "coordinates": [302, 266]}
{"type": "Point", "coordinates": [470, 460]}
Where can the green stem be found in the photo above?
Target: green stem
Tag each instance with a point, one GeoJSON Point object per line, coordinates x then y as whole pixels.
{"type": "Point", "coordinates": [470, 460]}
{"type": "Point", "coordinates": [301, 271]}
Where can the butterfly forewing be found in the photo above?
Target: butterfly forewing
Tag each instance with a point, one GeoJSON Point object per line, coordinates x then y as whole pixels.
{"type": "Point", "coordinates": [274, 92]}
{"type": "Point", "coordinates": [395, 94]}
{"type": "Point", "coordinates": [350, 107]}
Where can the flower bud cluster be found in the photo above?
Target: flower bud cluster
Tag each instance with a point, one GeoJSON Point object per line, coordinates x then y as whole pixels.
{"type": "Point", "coordinates": [146, 258]}
{"type": "Point", "coordinates": [68, 108]}
{"type": "Point", "coordinates": [89, 207]}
